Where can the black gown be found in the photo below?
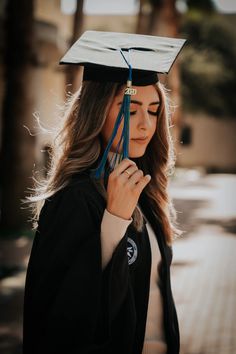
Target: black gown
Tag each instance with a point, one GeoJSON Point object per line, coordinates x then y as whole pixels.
{"type": "Point", "coordinates": [71, 306]}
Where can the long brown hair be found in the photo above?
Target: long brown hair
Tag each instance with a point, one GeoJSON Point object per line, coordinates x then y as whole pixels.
{"type": "Point", "coordinates": [77, 146]}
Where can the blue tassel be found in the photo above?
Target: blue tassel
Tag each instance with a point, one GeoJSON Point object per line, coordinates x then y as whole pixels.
{"type": "Point", "coordinates": [123, 113]}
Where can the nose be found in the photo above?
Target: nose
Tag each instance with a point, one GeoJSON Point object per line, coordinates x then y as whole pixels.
{"type": "Point", "coordinates": [144, 121]}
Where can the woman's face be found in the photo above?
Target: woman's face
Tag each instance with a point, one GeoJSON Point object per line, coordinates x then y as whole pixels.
{"type": "Point", "coordinates": [143, 120]}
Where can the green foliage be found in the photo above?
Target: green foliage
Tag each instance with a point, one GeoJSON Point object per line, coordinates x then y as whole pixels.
{"type": "Point", "coordinates": [202, 5]}
{"type": "Point", "coordinates": [208, 64]}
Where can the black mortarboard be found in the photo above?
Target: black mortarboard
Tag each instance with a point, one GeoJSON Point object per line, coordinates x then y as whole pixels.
{"type": "Point", "coordinates": [124, 58]}
{"type": "Point", "coordinates": [99, 53]}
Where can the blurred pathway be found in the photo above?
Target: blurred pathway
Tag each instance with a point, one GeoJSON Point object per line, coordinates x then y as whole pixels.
{"type": "Point", "coordinates": [13, 261]}
{"type": "Point", "coordinates": [204, 262]}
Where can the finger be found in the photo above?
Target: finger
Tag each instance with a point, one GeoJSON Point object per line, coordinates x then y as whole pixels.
{"type": "Point", "coordinates": [136, 176]}
{"type": "Point", "coordinates": [142, 183]}
{"type": "Point", "coordinates": [131, 170]}
{"type": "Point", "coordinates": [123, 165]}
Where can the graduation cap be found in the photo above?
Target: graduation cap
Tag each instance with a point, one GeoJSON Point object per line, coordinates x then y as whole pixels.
{"type": "Point", "coordinates": [127, 59]}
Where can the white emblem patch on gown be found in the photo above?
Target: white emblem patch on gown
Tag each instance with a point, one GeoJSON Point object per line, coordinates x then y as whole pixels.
{"type": "Point", "coordinates": [132, 250]}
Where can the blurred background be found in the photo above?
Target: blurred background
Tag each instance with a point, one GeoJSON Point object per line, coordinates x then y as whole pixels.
{"type": "Point", "coordinates": [34, 35]}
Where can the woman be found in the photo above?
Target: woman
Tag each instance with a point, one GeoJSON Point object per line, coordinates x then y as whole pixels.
{"type": "Point", "coordinates": [98, 278]}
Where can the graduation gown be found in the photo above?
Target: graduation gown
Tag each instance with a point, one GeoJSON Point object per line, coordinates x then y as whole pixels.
{"type": "Point", "coordinates": [71, 306]}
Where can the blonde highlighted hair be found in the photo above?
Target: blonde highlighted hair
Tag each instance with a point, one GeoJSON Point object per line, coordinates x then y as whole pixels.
{"type": "Point", "coordinates": [77, 145]}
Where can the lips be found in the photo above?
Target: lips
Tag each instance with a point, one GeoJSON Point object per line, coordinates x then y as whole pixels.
{"type": "Point", "coordinates": [143, 138]}
{"type": "Point", "coordinates": [141, 141]}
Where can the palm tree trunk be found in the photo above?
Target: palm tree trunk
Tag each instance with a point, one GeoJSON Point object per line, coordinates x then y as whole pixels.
{"type": "Point", "coordinates": [141, 26]}
{"type": "Point", "coordinates": [17, 144]}
{"type": "Point", "coordinates": [164, 21]}
{"type": "Point", "coordinates": [74, 72]}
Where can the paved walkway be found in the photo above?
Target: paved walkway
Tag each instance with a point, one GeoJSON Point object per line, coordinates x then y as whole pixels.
{"type": "Point", "coordinates": [204, 287]}
{"type": "Point", "coordinates": [204, 264]}
{"type": "Point", "coordinates": [203, 268]}
{"type": "Point", "coordinates": [14, 257]}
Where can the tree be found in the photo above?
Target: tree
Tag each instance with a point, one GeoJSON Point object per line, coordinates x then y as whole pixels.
{"type": "Point", "coordinates": [73, 72]}
{"type": "Point", "coordinates": [208, 63]}
{"type": "Point", "coordinates": [141, 26]}
{"type": "Point", "coordinates": [206, 6]}
{"type": "Point", "coordinates": [17, 144]}
{"type": "Point", "coordinates": [164, 20]}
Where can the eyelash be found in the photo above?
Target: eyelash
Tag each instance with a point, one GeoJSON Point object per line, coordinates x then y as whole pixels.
{"type": "Point", "coordinates": [151, 113]}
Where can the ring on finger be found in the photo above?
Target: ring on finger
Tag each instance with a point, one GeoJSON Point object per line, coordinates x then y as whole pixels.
{"type": "Point", "coordinates": [127, 172]}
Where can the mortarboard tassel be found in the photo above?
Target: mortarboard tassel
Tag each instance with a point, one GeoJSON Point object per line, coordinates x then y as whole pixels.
{"type": "Point", "coordinates": [123, 113]}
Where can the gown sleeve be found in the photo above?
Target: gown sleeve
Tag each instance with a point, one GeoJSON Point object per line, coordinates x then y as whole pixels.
{"type": "Point", "coordinates": [112, 230]}
{"type": "Point", "coordinates": [70, 301]}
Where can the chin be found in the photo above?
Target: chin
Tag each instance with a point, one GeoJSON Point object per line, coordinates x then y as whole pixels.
{"type": "Point", "coordinates": [136, 154]}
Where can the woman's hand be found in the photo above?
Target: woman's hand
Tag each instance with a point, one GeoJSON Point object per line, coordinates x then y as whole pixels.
{"type": "Point", "coordinates": [123, 189]}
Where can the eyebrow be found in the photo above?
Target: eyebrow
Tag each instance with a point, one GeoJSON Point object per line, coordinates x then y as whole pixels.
{"type": "Point", "coordinates": [140, 103]}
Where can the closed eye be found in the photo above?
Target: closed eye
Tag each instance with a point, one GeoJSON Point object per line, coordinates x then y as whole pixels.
{"type": "Point", "coordinates": [150, 112]}
{"type": "Point", "coordinates": [155, 109]}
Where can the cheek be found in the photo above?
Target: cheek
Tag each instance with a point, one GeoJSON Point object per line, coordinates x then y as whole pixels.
{"type": "Point", "coordinates": [154, 126]}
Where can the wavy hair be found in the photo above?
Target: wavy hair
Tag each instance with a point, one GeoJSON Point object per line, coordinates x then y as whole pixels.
{"type": "Point", "coordinates": [77, 146]}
